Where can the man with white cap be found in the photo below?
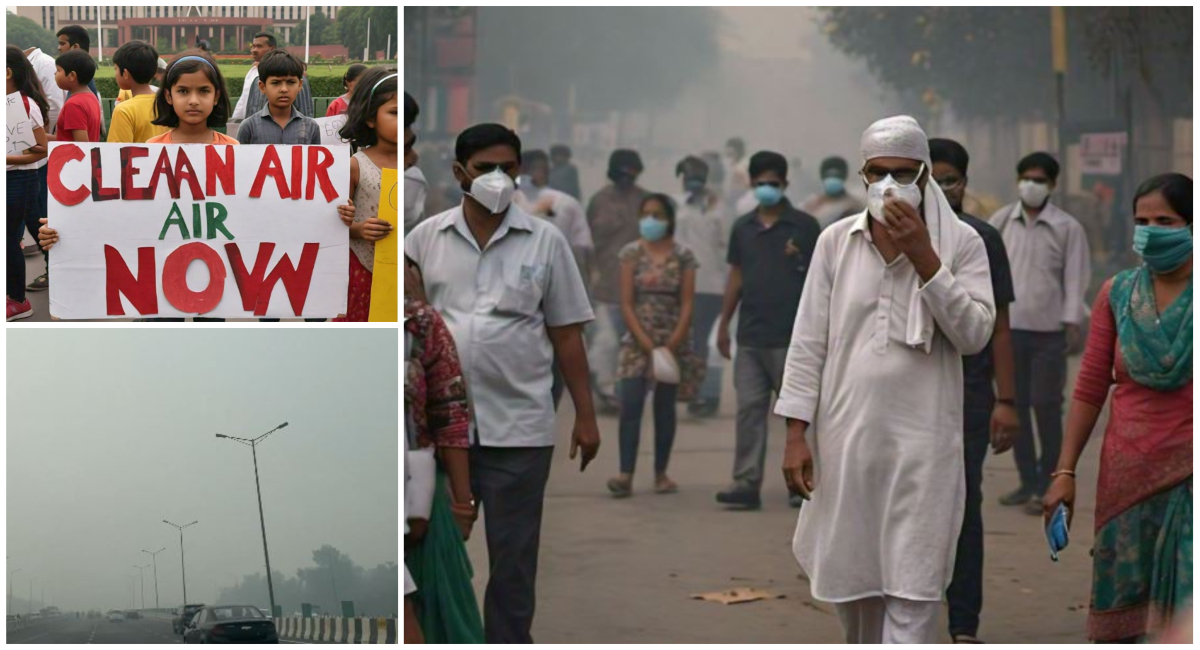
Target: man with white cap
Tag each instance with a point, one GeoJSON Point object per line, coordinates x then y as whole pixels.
{"type": "Point", "coordinates": [872, 393]}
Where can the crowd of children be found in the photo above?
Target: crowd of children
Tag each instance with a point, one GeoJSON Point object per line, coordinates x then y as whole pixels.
{"type": "Point", "coordinates": [188, 108]}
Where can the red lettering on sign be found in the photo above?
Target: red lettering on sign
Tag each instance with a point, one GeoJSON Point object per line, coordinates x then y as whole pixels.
{"type": "Point", "coordinates": [297, 170]}
{"type": "Point", "coordinates": [128, 170]}
{"type": "Point", "coordinates": [175, 287]}
{"type": "Point", "coordinates": [270, 165]}
{"type": "Point", "coordinates": [140, 291]}
{"type": "Point", "coordinates": [218, 169]}
{"type": "Point", "coordinates": [185, 172]}
{"type": "Point", "coordinates": [256, 292]}
{"type": "Point", "coordinates": [319, 171]}
{"type": "Point", "coordinates": [59, 156]}
{"type": "Point", "coordinates": [163, 166]}
{"type": "Point", "coordinates": [99, 192]}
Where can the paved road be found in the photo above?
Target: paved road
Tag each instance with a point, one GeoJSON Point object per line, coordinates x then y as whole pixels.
{"type": "Point", "coordinates": [35, 265]}
{"type": "Point", "coordinates": [71, 630]}
{"type": "Point", "coordinates": [621, 571]}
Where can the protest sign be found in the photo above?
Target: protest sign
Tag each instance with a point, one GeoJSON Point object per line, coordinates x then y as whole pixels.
{"type": "Point", "coordinates": [18, 125]}
{"type": "Point", "coordinates": [330, 127]}
{"type": "Point", "coordinates": [384, 277]}
{"type": "Point", "coordinates": [167, 230]}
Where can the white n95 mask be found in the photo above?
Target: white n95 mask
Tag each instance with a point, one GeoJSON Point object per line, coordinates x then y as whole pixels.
{"type": "Point", "coordinates": [493, 190]}
{"type": "Point", "coordinates": [877, 191]}
{"type": "Point", "coordinates": [1033, 194]}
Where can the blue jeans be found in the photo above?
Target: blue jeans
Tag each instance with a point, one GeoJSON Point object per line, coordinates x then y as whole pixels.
{"type": "Point", "coordinates": [22, 202]}
{"type": "Point", "coordinates": [704, 317]}
{"type": "Point", "coordinates": [633, 400]}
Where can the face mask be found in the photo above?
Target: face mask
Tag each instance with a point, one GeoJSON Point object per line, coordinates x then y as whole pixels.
{"type": "Point", "coordinates": [768, 195]}
{"type": "Point", "coordinates": [493, 191]}
{"type": "Point", "coordinates": [834, 186]}
{"type": "Point", "coordinates": [693, 185]}
{"type": "Point", "coordinates": [1163, 249]}
{"type": "Point", "coordinates": [910, 194]}
{"type": "Point", "coordinates": [1033, 194]}
{"type": "Point", "coordinates": [652, 229]}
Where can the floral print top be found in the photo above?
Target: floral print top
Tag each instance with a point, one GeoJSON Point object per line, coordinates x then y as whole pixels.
{"type": "Point", "coordinates": [435, 396]}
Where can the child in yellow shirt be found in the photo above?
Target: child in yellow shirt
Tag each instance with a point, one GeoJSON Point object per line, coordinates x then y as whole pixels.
{"type": "Point", "coordinates": [135, 64]}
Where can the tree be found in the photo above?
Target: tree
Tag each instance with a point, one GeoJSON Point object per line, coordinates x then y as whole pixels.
{"type": "Point", "coordinates": [319, 24]}
{"type": "Point", "coordinates": [352, 28]}
{"type": "Point", "coordinates": [983, 61]}
{"type": "Point", "coordinates": [25, 33]}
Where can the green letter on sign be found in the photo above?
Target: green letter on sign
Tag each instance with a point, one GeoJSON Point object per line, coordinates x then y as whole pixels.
{"type": "Point", "coordinates": [216, 220]}
{"type": "Point", "coordinates": [175, 217]}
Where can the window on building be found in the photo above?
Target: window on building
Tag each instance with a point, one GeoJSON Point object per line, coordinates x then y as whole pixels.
{"type": "Point", "coordinates": [70, 13]}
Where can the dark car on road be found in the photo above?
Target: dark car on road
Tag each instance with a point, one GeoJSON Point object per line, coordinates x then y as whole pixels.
{"type": "Point", "coordinates": [184, 616]}
{"type": "Point", "coordinates": [230, 624]}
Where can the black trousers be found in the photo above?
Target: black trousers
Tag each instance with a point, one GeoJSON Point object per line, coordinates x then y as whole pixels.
{"type": "Point", "coordinates": [1040, 360]}
{"type": "Point", "coordinates": [965, 593]}
{"type": "Point", "coordinates": [510, 484]}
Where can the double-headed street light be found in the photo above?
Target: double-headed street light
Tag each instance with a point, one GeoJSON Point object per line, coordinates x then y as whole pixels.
{"type": "Point", "coordinates": [262, 522]}
{"type": "Point", "coordinates": [10, 579]}
{"type": "Point", "coordinates": [141, 571]}
{"type": "Point", "coordinates": [154, 558]}
{"type": "Point", "coordinates": [182, 566]}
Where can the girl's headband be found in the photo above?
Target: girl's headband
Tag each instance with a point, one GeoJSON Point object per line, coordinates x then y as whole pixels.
{"type": "Point", "coordinates": [193, 58]}
{"type": "Point", "coordinates": [391, 76]}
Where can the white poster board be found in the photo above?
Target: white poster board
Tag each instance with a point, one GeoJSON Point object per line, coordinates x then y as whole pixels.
{"type": "Point", "coordinates": [18, 125]}
{"type": "Point", "coordinates": [163, 230]}
{"type": "Point", "coordinates": [330, 127]}
{"type": "Point", "coordinates": [1100, 153]}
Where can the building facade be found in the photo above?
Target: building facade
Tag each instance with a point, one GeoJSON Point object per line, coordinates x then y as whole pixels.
{"type": "Point", "coordinates": [227, 29]}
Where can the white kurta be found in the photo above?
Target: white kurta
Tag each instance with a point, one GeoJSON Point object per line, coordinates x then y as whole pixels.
{"type": "Point", "coordinates": [885, 417]}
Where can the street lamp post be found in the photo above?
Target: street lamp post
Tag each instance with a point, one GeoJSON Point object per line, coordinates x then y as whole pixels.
{"type": "Point", "coordinates": [142, 572]}
{"type": "Point", "coordinates": [252, 443]}
{"type": "Point", "coordinates": [10, 579]}
{"type": "Point", "coordinates": [154, 558]}
{"type": "Point", "coordinates": [182, 566]}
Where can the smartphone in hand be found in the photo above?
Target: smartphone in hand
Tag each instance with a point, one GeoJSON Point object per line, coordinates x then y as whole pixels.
{"type": "Point", "coordinates": [1057, 534]}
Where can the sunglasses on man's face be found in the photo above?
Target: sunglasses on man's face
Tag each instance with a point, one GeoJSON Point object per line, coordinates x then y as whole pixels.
{"type": "Point", "coordinates": [903, 176]}
{"type": "Point", "coordinates": [949, 182]}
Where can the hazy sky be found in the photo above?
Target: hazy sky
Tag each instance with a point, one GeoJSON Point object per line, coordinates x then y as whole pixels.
{"type": "Point", "coordinates": [110, 431]}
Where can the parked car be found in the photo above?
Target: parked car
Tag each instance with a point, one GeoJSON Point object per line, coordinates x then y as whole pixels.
{"type": "Point", "coordinates": [116, 617]}
{"type": "Point", "coordinates": [231, 624]}
{"type": "Point", "coordinates": [132, 614]}
{"type": "Point", "coordinates": [183, 616]}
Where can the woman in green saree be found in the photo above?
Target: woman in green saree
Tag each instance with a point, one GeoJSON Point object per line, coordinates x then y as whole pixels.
{"type": "Point", "coordinates": [1141, 340]}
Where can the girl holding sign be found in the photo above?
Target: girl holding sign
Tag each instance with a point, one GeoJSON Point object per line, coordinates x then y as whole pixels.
{"type": "Point", "coordinates": [371, 127]}
{"type": "Point", "coordinates": [26, 189]}
{"type": "Point", "coordinates": [192, 101]}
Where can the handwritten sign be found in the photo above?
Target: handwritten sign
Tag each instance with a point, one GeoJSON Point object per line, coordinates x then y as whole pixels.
{"type": "Point", "coordinates": [330, 127]}
{"type": "Point", "coordinates": [162, 230]}
{"type": "Point", "coordinates": [18, 125]}
{"type": "Point", "coordinates": [385, 286]}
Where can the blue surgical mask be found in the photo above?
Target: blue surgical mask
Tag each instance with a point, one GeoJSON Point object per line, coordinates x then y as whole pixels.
{"type": "Point", "coordinates": [652, 229]}
{"type": "Point", "coordinates": [693, 185]}
{"type": "Point", "coordinates": [768, 195]}
{"type": "Point", "coordinates": [1163, 249]}
{"type": "Point", "coordinates": [834, 186]}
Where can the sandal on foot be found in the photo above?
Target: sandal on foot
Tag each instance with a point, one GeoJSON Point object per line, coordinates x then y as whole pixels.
{"type": "Point", "coordinates": [620, 487]}
{"type": "Point", "coordinates": [665, 485]}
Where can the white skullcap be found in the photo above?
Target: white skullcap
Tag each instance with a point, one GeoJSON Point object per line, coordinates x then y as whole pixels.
{"type": "Point", "coordinates": [899, 136]}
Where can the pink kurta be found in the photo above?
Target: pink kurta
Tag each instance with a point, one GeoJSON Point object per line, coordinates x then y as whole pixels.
{"type": "Point", "coordinates": [1148, 442]}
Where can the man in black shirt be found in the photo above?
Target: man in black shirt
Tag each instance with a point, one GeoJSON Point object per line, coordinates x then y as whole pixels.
{"type": "Point", "coordinates": [985, 417]}
{"type": "Point", "coordinates": [770, 249]}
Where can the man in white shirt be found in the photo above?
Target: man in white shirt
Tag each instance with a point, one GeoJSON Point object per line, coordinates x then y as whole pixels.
{"type": "Point", "coordinates": [513, 298]}
{"type": "Point", "coordinates": [873, 395]}
{"type": "Point", "coordinates": [44, 68]}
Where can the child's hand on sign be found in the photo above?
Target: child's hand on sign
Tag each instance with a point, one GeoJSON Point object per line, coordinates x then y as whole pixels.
{"type": "Point", "coordinates": [346, 212]}
{"type": "Point", "coordinates": [372, 229]}
{"type": "Point", "coordinates": [47, 236]}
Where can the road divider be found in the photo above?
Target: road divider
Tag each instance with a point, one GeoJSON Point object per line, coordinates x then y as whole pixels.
{"type": "Point", "coordinates": [359, 629]}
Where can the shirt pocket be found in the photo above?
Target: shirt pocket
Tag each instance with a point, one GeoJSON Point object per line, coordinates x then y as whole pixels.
{"type": "Point", "coordinates": [523, 294]}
